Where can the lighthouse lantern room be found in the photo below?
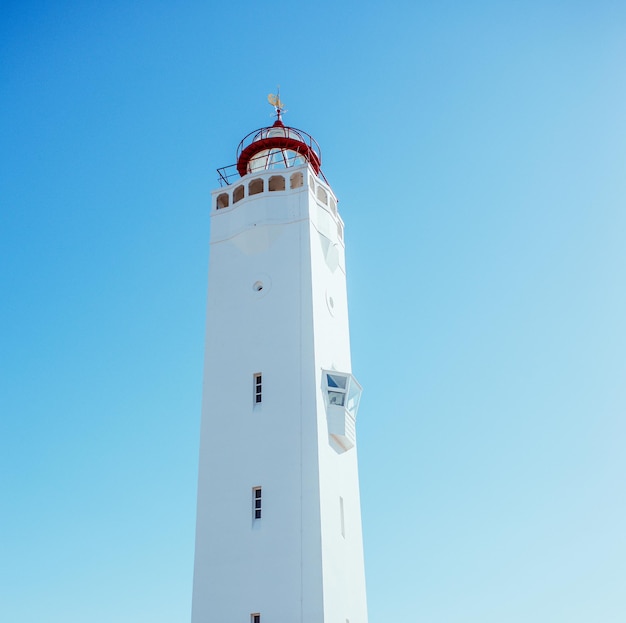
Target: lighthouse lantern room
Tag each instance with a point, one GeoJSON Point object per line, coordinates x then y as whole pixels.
{"type": "Point", "coordinates": [278, 535]}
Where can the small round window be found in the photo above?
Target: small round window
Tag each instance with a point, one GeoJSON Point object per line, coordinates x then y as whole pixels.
{"type": "Point", "coordinates": [331, 303]}
{"type": "Point", "coordinates": [260, 285]}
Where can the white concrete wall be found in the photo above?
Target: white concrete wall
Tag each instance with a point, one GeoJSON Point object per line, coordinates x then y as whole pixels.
{"type": "Point", "coordinates": [342, 554]}
{"type": "Point", "coordinates": [292, 565]}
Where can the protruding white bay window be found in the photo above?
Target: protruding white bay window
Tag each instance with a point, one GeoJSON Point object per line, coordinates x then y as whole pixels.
{"type": "Point", "coordinates": [342, 394]}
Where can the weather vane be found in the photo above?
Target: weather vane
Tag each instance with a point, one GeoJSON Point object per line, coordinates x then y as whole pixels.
{"type": "Point", "coordinates": [274, 100]}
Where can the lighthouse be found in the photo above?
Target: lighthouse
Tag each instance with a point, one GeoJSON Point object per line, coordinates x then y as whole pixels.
{"type": "Point", "coordinates": [278, 532]}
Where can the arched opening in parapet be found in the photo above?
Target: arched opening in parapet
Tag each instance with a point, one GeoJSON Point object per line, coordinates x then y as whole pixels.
{"type": "Point", "coordinates": [276, 182]}
{"type": "Point", "coordinates": [222, 201]}
{"type": "Point", "coordinates": [322, 195]}
{"type": "Point", "coordinates": [296, 180]}
{"type": "Point", "coordinates": [238, 193]}
{"type": "Point", "coordinates": [255, 187]}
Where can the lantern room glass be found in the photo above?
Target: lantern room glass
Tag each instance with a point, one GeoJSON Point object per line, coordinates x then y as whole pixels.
{"type": "Point", "coordinates": [275, 159]}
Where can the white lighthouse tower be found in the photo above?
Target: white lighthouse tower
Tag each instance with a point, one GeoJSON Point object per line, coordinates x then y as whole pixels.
{"type": "Point", "coordinates": [278, 536]}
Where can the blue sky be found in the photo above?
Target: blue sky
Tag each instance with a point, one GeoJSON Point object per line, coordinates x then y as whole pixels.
{"type": "Point", "coordinates": [479, 154]}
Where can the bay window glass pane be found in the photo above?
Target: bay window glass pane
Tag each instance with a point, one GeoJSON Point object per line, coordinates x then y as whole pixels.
{"type": "Point", "coordinates": [354, 395]}
{"type": "Point", "coordinates": [336, 380]}
{"type": "Point", "coordinates": [336, 398]}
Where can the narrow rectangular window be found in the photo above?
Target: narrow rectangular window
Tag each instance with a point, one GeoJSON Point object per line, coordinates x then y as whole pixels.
{"type": "Point", "coordinates": [256, 502]}
{"type": "Point", "coordinates": [258, 388]}
{"type": "Point", "coordinates": [343, 523]}
{"type": "Point", "coordinates": [255, 617]}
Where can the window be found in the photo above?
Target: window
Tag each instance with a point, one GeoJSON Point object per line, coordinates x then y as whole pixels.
{"type": "Point", "coordinates": [255, 618]}
{"type": "Point", "coordinates": [342, 394]}
{"type": "Point", "coordinates": [256, 502]}
{"type": "Point", "coordinates": [341, 517]}
{"type": "Point", "coordinates": [336, 389]}
{"type": "Point", "coordinates": [258, 387]}
{"type": "Point", "coordinates": [343, 391]}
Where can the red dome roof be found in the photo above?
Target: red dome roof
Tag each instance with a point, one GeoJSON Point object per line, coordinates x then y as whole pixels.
{"type": "Point", "coordinates": [277, 146]}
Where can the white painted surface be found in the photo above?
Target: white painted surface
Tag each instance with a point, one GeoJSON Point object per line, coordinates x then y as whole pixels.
{"type": "Point", "coordinates": [292, 565]}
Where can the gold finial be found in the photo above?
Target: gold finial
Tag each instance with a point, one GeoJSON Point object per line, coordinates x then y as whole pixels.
{"type": "Point", "coordinates": [274, 100]}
